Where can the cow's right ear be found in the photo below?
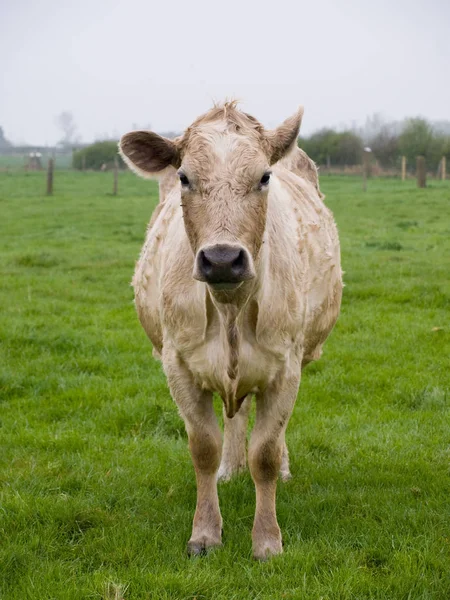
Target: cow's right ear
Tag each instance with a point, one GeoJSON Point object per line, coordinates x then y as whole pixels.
{"type": "Point", "coordinates": [148, 153]}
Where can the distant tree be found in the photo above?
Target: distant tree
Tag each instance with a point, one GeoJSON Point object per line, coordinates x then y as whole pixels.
{"type": "Point", "coordinates": [65, 121]}
{"type": "Point", "coordinates": [372, 127]}
{"type": "Point", "coordinates": [441, 127]}
{"type": "Point", "coordinates": [416, 139]}
{"type": "Point", "coordinates": [350, 148]}
{"type": "Point", "coordinates": [445, 149]}
{"type": "Point", "coordinates": [97, 155]}
{"type": "Point", "coordinates": [4, 143]}
{"type": "Point", "coordinates": [439, 147]}
{"type": "Point", "coordinates": [319, 145]}
{"type": "Point", "coordinates": [342, 148]}
{"type": "Point", "coordinates": [385, 147]}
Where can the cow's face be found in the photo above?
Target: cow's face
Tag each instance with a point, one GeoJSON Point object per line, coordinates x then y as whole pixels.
{"type": "Point", "coordinates": [223, 163]}
{"type": "Point", "coordinates": [224, 179]}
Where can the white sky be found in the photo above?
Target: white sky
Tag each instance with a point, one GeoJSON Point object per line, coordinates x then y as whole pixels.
{"type": "Point", "coordinates": [117, 63]}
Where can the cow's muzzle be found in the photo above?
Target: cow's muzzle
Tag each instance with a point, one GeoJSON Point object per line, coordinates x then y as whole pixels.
{"type": "Point", "coordinates": [223, 265]}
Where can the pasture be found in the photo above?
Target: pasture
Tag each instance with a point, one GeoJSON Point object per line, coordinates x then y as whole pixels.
{"type": "Point", "coordinates": [97, 490]}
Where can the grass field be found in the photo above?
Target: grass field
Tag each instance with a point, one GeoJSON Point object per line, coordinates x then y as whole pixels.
{"type": "Point", "coordinates": [97, 488]}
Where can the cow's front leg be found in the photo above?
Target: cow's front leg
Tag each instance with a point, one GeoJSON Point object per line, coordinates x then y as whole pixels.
{"type": "Point", "coordinates": [205, 441]}
{"type": "Point", "coordinates": [273, 410]}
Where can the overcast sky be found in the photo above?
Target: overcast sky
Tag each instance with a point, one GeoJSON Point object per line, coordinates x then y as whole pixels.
{"type": "Point", "coordinates": [119, 63]}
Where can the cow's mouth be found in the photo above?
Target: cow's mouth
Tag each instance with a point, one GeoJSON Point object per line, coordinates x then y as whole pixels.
{"type": "Point", "coordinates": [225, 287]}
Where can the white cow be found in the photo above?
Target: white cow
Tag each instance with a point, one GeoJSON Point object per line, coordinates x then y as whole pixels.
{"type": "Point", "coordinates": [238, 285]}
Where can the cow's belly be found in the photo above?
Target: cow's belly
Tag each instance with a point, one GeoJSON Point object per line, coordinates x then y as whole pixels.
{"type": "Point", "coordinates": [209, 363]}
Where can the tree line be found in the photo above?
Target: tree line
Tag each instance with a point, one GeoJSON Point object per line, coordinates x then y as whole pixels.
{"type": "Point", "coordinates": [388, 142]}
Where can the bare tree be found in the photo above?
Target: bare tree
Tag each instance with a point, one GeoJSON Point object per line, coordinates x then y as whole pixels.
{"type": "Point", "coordinates": [4, 143]}
{"type": "Point", "coordinates": [66, 123]}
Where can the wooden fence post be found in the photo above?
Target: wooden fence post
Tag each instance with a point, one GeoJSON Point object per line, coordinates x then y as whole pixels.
{"type": "Point", "coordinates": [421, 172]}
{"type": "Point", "coordinates": [50, 177]}
{"type": "Point", "coordinates": [403, 168]}
{"type": "Point", "coordinates": [444, 168]}
{"type": "Point", "coordinates": [366, 166]}
{"type": "Point", "coordinates": [115, 171]}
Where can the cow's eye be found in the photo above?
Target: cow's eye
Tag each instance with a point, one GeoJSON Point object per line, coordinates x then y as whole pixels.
{"type": "Point", "coordinates": [184, 180]}
{"type": "Point", "coordinates": [265, 178]}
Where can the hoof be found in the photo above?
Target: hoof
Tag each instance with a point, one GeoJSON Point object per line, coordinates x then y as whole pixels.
{"type": "Point", "coordinates": [267, 549]}
{"type": "Point", "coordinates": [285, 475]}
{"type": "Point", "coordinates": [201, 546]}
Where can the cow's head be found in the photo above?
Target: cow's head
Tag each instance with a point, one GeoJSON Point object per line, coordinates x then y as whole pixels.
{"type": "Point", "coordinates": [224, 164]}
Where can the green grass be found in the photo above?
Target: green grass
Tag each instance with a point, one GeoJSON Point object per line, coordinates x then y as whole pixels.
{"type": "Point", "coordinates": [97, 489]}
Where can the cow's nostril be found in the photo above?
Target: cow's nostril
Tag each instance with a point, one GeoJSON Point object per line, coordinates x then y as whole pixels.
{"type": "Point", "coordinates": [205, 264]}
{"type": "Point", "coordinates": [238, 264]}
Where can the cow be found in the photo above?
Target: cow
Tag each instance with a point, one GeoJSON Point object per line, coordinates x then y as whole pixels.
{"type": "Point", "coordinates": [237, 286]}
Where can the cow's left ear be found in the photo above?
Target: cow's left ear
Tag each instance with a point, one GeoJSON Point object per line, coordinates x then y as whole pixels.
{"type": "Point", "coordinates": [148, 153]}
{"type": "Point", "coordinates": [282, 139]}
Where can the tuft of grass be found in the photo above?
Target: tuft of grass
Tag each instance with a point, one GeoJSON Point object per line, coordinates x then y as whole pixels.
{"type": "Point", "coordinates": [407, 224]}
{"type": "Point", "coordinates": [114, 591]}
{"type": "Point", "coordinates": [41, 259]}
{"type": "Point", "coordinates": [384, 245]}
{"type": "Point", "coordinates": [97, 490]}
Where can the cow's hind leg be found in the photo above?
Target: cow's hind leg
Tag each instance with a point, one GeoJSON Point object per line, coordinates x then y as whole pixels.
{"type": "Point", "coordinates": [234, 452]}
{"type": "Point", "coordinates": [273, 410]}
{"type": "Point", "coordinates": [205, 440]}
{"type": "Point", "coordinates": [285, 471]}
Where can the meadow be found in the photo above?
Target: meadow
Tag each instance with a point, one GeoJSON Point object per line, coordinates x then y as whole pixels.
{"type": "Point", "coordinates": [97, 490]}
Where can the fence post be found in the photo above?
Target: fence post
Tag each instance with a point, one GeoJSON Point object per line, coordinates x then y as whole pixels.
{"type": "Point", "coordinates": [444, 168]}
{"type": "Point", "coordinates": [83, 163]}
{"type": "Point", "coordinates": [403, 168]}
{"type": "Point", "coordinates": [421, 172]}
{"type": "Point", "coordinates": [50, 177]}
{"type": "Point", "coordinates": [366, 166]}
{"type": "Point", "coordinates": [115, 171]}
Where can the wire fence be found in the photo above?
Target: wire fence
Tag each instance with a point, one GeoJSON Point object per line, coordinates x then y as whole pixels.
{"type": "Point", "coordinates": [38, 159]}
{"type": "Point", "coordinates": [34, 158]}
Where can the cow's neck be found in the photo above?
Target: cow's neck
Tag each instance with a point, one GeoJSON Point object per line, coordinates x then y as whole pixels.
{"type": "Point", "coordinates": [231, 307]}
